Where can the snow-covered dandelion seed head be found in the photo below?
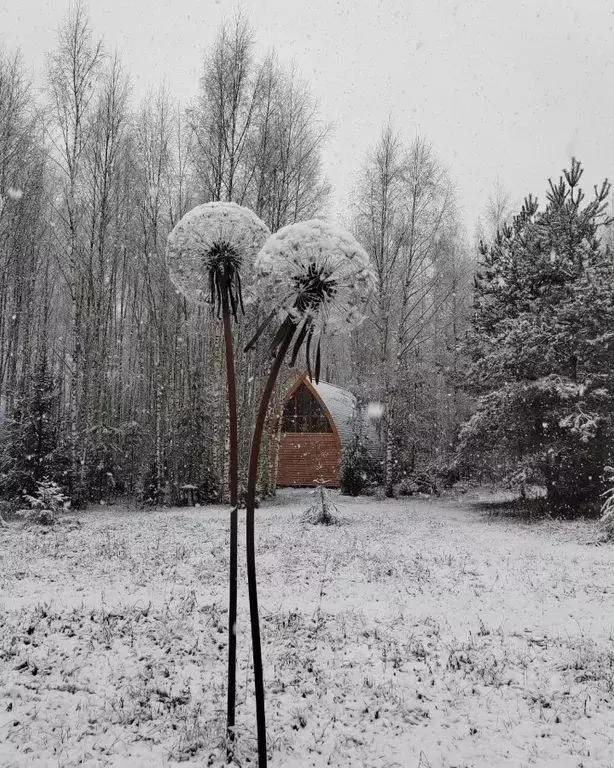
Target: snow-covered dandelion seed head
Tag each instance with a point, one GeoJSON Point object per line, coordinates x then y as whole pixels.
{"type": "Point", "coordinates": [210, 241]}
{"type": "Point", "coordinates": [318, 279]}
{"type": "Point", "coordinates": [316, 270]}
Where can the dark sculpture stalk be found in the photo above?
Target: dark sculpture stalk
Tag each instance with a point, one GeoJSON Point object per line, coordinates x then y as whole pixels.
{"type": "Point", "coordinates": [227, 310]}
{"type": "Point", "coordinates": [284, 344]}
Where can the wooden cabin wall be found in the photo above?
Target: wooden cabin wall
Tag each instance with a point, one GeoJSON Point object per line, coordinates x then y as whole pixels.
{"type": "Point", "coordinates": [309, 459]}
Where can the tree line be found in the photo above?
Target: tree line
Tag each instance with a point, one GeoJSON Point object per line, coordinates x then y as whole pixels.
{"type": "Point", "coordinates": [110, 383]}
{"type": "Point", "coordinates": [108, 380]}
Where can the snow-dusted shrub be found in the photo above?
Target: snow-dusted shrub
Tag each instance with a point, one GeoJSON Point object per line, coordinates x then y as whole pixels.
{"type": "Point", "coordinates": [360, 472]}
{"type": "Point", "coordinates": [45, 504]}
{"type": "Point", "coordinates": [30, 447]}
{"type": "Point", "coordinates": [323, 511]}
{"type": "Point", "coordinates": [417, 483]}
{"type": "Point", "coordinates": [8, 508]}
{"type": "Point", "coordinates": [607, 508]}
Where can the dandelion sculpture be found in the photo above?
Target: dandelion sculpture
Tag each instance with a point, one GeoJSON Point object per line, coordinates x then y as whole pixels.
{"type": "Point", "coordinates": [207, 252]}
{"type": "Point", "coordinates": [319, 280]}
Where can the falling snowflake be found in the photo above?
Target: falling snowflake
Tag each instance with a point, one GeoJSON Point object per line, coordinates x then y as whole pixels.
{"type": "Point", "coordinates": [375, 410]}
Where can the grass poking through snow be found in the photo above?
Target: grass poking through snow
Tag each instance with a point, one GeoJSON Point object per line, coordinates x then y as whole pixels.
{"type": "Point", "coordinates": [416, 634]}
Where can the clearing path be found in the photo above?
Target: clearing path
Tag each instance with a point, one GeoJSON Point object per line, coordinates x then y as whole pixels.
{"type": "Point", "coordinates": [417, 633]}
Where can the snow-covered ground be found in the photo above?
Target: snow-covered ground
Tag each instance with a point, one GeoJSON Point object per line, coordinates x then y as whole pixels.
{"type": "Point", "coordinates": [419, 633]}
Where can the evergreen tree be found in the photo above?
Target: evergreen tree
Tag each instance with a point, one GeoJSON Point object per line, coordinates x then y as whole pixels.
{"type": "Point", "coordinates": [542, 347]}
{"type": "Point", "coordinates": [31, 451]}
{"type": "Point", "coordinates": [360, 471]}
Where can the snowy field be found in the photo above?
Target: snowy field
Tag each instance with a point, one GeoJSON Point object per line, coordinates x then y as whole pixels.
{"type": "Point", "coordinates": [419, 633]}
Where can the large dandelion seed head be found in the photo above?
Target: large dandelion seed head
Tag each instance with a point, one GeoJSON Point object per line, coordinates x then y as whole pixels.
{"type": "Point", "coordinates": [209, 239]}
{"type": "Point", "coordinates": [316, 270]}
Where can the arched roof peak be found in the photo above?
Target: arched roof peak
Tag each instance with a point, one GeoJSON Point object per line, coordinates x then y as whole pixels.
{"type": "Point", "coordinates": [339, 404]}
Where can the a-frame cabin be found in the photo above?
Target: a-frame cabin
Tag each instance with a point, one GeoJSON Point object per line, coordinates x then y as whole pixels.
{"type": "Point", "coordinates": [316, 423]}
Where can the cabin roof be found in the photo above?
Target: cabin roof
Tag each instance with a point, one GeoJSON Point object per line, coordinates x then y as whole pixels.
{"type": "Point", "coordinates": [342, 406]}
{"type": "Point", "coordinates": [340, 403]}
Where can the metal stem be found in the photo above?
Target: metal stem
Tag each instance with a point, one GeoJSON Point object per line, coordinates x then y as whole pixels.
{"type": "Point", "coordinates": [250, 546]}
{"type": "Point", "coordinates": [233, 488]}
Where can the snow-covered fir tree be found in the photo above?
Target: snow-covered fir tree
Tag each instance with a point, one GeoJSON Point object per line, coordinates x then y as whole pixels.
{"type": "Point", "coordinates": [31, 449]}
{"type": "Point", "coordinates": [541, 345]}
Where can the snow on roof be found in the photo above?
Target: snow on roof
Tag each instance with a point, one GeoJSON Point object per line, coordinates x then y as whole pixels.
{"type": "Point", "coordinates": [344, 408]}
{"type": "Point", "coordinates": [342, 405]}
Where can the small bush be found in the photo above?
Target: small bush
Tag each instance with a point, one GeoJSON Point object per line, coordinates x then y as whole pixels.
{"type": "Point", "coordinates": [416, 484]}
{"type": "Point", "coordinates": [8, 509]}
{"type": "Point", "coordinates": [607, 508]}
{"type": "Point", "coordinates": [209, 487]}
{"type": "Point", "coordinates": [45, 504]}
{"type": "Point", "coordinates": [323, 512]}
{"type": "Point", "coordinates": [360, 472]}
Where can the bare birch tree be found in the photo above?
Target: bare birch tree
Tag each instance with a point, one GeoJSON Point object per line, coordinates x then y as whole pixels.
{"type": "Point", "coordinates": [403, 210]}
{"type": "Point", "coordinates": [73, 73]}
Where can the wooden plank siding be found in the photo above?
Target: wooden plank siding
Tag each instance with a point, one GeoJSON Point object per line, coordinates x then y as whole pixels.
{"type": "Point", "coordinates": [307, 444]}
{"type": "Point", "coordinates": [308, 459]}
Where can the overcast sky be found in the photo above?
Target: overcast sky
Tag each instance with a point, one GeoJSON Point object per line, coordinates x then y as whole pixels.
{"type": "Point", "coordinates": [502, 90]}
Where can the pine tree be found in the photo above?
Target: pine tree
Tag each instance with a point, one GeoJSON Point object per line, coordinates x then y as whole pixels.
{"type": "Point", "coordinates": [542, 348]}
{"type": "Point", "coordinates": [31, 451]}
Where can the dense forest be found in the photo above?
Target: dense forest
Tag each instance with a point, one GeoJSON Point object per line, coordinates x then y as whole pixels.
{"type": "Point", "coordinates": [490, 362]}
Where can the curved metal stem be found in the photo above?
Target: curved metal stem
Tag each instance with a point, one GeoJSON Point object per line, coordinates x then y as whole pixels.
{"type": "Point", "coordinates": [234, 493]}
{"type": "Point", "coordinates": [250, 546]}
